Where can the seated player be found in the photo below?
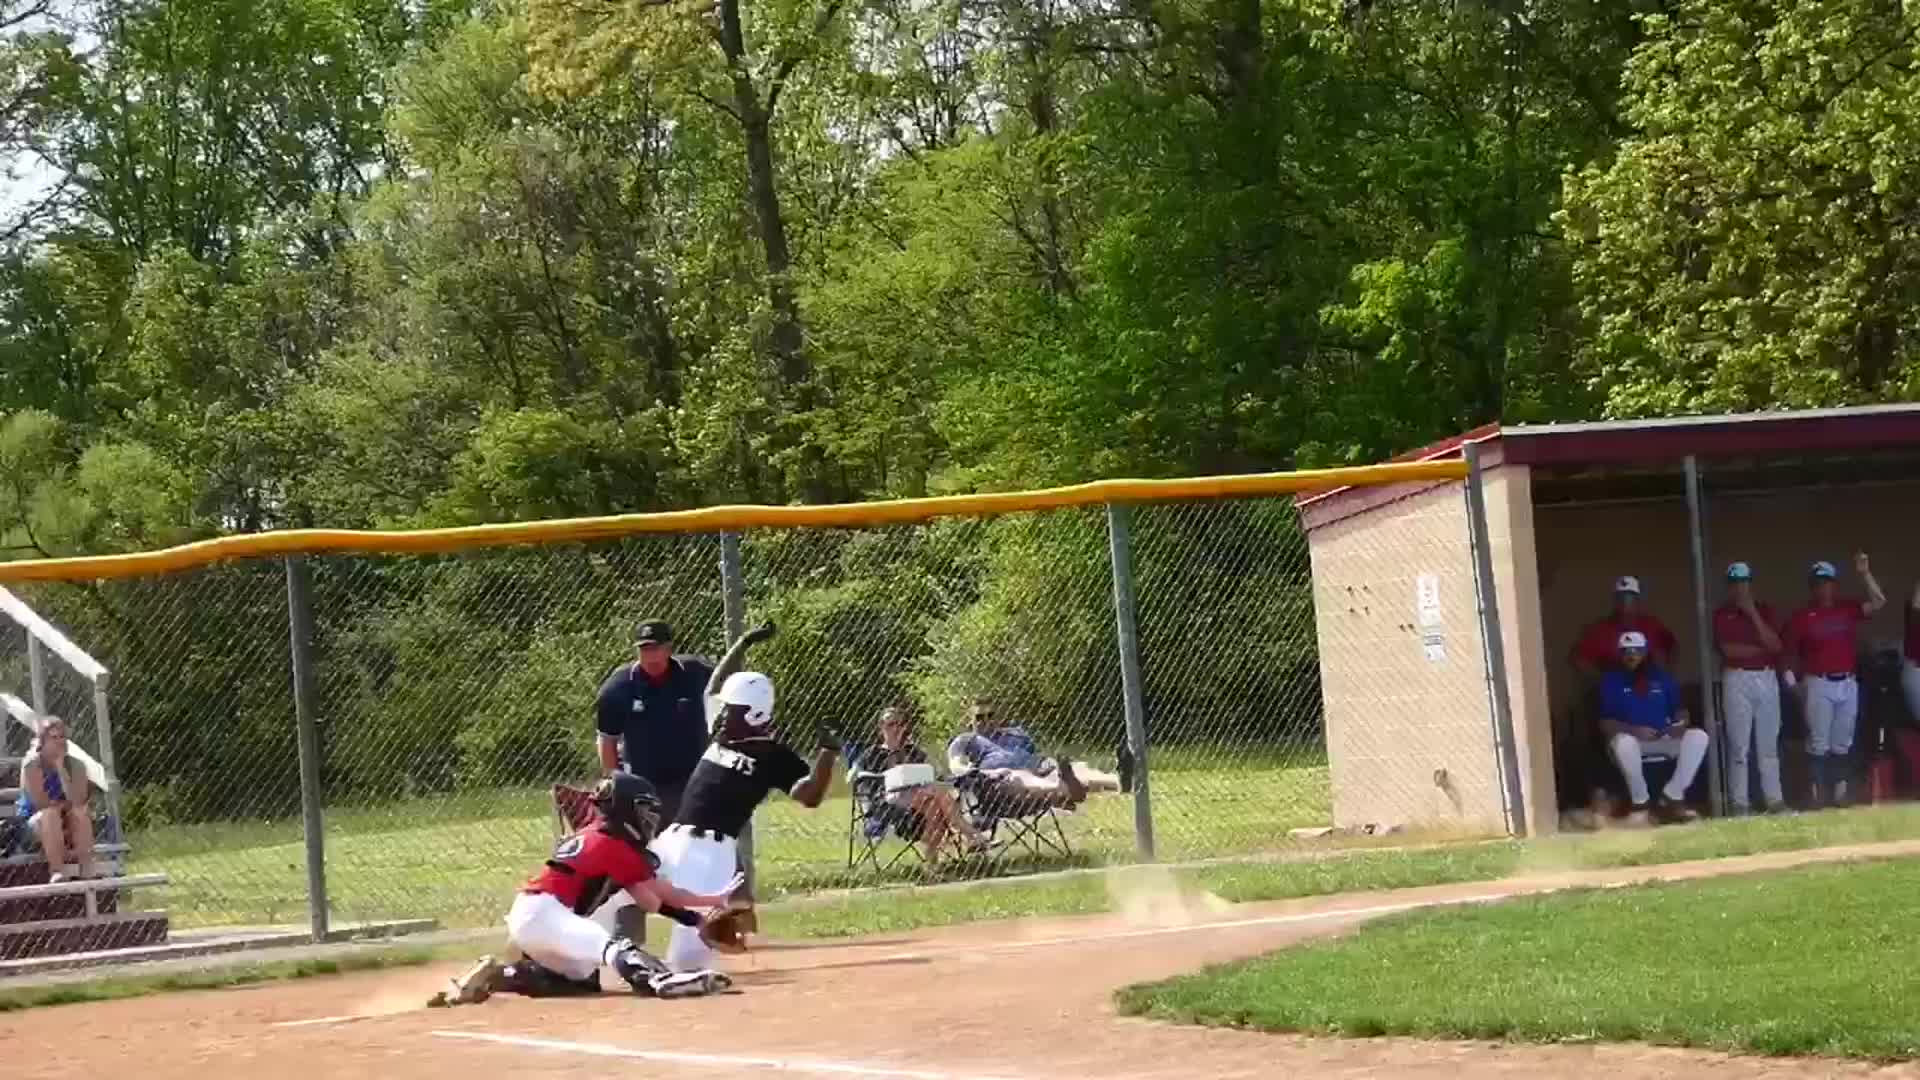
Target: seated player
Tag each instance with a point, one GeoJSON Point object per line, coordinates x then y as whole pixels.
{"type": "Point", "coordinates": [1008, 758]}
{"type": "Point", "coordinates": [925, 812]}
{"type": "Point", "coordinates": [561, 948]}
{"type": "Point", "coordinates": [1641, 713]}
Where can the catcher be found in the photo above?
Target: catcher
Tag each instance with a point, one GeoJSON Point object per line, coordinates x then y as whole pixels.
{"type": "Point", "coordinates": [561, 949]}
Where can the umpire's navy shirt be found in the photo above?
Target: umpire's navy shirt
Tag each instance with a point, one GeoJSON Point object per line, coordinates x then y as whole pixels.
{"type": "Point", "coordinates": [662, 726]}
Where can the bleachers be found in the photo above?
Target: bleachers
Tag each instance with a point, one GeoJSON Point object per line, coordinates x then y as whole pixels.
{"type": "Point", "coordinates": [40, 919]}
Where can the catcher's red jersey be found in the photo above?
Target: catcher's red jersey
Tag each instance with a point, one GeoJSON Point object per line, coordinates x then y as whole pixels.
{"type": "Point", "coordinates": [588, 866]}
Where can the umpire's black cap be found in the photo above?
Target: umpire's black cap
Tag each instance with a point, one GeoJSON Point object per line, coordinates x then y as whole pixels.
{"type": "Point", "coordinates": [653, 632]}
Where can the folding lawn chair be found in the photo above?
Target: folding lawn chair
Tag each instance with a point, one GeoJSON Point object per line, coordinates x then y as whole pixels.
{"type": "Point", "coordinates": [572, 808]}
{"type": "Point", "coordinates": [1030, 822]}
{"type": "Point", "coordinates": [873, 818]}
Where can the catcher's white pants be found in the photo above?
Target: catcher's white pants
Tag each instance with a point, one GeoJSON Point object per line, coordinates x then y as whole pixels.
{"type": "Point", "coordinates": [698, 864]}
{"type": "Point", "coordinates": [1689, 750]}
{"type": "Point", "coordinates": [1753, 725]}
{"type": "Point", "coordinates": [1833, 705]}
{"type": "Point", "coordinates": [554, 937]}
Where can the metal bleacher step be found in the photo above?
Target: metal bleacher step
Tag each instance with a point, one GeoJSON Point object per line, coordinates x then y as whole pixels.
{"type": "Point", "coordinates": [49, 937]}
{"type": "Point", "coordinates": [77, 916]}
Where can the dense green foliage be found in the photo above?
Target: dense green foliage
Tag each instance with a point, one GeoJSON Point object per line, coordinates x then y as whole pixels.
{"type": "Point", "coordinates": [386, 263]}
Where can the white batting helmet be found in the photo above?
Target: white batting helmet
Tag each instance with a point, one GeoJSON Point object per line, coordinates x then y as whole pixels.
{"type": "Point", "coordinates": [1633, 639]}
{"type": "Point", "coordinates": [753, 690]}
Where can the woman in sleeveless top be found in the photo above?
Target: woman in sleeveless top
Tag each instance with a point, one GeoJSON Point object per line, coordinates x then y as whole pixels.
{"type": "Point", "coordinates": [53, 799]}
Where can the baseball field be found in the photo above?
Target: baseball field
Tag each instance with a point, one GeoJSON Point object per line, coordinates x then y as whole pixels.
{"type": "Point", "coordinates": [1624, 955]}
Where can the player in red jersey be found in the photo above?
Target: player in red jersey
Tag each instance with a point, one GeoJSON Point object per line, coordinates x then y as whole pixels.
{"type": "Point", "coordinates": [561, 948]}
{"type": "Point", "coordinates": [1822, 643]}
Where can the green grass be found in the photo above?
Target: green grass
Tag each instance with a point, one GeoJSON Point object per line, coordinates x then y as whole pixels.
{"type": "Point", "coordinates": [457, 858]}
{"type": "Point", "coordinates": [904, 909]}
{"type": "Point", "coordinates": [115, 987]}
{"type": "Point", "coordinates": [1812, 961]}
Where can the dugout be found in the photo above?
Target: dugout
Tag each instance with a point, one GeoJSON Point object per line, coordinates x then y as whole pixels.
{"type": "Point", "coordinates": [1570, 507]}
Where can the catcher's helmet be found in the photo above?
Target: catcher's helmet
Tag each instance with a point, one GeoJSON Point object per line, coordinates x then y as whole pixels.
{"type": "Point", "coordinates": [753, 692]}
{"type": "Point", "coordinates": [629, 804]}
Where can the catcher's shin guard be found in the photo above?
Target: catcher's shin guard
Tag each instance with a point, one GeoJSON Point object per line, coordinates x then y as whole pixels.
{"type": "Point", "coordinates": [680, 984]}
{"type": "Point", "coordinates": [636, 965]}
{"type": "Point", "coordinates": [529, 979]}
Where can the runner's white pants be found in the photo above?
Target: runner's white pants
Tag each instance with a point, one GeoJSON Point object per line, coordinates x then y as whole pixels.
{"type": "Point", "coordinates": [1753, 725]}
{"type": "Point", "coordinates": [1689, 750]}
{"type": "Point", "coordinates": [1833, 705]}
{"type": "Point", "coordinates": [554, 937]}
{"type": "Point", "coordinates": [698, 864]}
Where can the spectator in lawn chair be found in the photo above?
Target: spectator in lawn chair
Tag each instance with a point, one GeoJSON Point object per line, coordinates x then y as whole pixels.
{"type": "Point", "coordinates": [1640, 715]}
{"type": "Point", "coordinates": [1597, 651]}
{"type": "Point", "coordinates": [1748, 636]}
{"type": "Point", "coordinates": [53, 800]}
{"type": "Point", "coordinates": [1005, 754]}
{"type": "Point", "coordinates": [1822, 647]}
{"type": "Point", "coordinates": [926, 811]}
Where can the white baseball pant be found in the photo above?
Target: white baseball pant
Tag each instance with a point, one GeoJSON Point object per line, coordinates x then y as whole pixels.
{"type": "Point", "coordinates": [1832, 707]}
{"type": "Point", "coordinates": [1689, 750]}
{"type": "Point", "coordinates": [554, 937]}
{"type": "Point", "coordinates": [1753, 717]}
{"type": "Point", "coordinates": [698, 864]}
{"type": "Point", "coordinates": [1910, 682]}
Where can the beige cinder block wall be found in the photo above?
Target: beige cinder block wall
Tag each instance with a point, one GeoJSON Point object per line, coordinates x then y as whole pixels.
{"type": "Point", "coordinates": [1396, 716]}
{"type": "Point", "coordinates": [1516, 575]}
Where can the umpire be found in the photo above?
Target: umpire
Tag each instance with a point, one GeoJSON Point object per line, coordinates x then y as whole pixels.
{"type": "Point", "coordinates": [651, 716]}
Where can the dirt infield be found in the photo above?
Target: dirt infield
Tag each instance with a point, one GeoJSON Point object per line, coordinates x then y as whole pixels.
{"type": "Point", "coordinates": [1016, 1001]}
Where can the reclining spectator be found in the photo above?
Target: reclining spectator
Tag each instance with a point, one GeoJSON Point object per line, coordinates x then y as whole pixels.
{"type": "Point", "coordinates": [1006, 754]}
{"type": "Point", "coordinates": [53, 800]}
{"type": "Point", "coordinates": [1640, 713]}
{"type": "Point", "coordinates": [927, 812]}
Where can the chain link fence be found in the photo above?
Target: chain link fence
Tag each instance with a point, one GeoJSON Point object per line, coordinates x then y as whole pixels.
{"type": "Point", "coordinates": [451, 692]}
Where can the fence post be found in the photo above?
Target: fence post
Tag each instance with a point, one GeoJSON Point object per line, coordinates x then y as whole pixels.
{"type": "Point", "coordinates": [103, 731]}
{"type": "Point", "coordinates": [37, 672]}
{"type": "Point", "coordinates": [300, 634]}
{"type": "Point", "coordinates": [1493, 645]}
{"type": "Point", "coordinates": [733, 607]}
{"type": "Point", "coordinates": [1703, 637]}
{"type": "Point", "coordinates": [1120, 547]}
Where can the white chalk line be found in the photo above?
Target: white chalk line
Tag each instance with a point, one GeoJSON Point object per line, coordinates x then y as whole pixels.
{"type": "Point", "coordinates": [793, 1065]}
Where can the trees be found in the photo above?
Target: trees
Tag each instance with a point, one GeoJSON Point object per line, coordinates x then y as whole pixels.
{"type": "Point", "coordinates": [387, 263]}
{"type": "Point", "coordinates": [1751, 246]}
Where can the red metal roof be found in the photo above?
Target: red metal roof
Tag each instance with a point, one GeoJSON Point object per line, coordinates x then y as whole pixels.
{"type": "Point", "coordinates": [1620, 442]}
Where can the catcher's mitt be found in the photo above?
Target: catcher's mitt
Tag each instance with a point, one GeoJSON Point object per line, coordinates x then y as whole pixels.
{"type": "Point", "coordinates": [728, 930]}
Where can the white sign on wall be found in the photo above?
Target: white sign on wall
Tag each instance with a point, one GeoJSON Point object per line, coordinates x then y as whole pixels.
{"type": "Point", "coordinates": [1426, 600]}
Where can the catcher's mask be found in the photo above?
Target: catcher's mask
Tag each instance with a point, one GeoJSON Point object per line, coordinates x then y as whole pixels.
{"type": "Point", "coordinates": [628, 804]}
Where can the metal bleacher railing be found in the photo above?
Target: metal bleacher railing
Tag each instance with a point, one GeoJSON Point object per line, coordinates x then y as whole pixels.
{"type": "Point", "coordinates": [322, 727]}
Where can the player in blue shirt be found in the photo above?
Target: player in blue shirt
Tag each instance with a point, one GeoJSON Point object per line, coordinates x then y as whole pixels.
{"type": "Point", "coordinates": [1640, 714]}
